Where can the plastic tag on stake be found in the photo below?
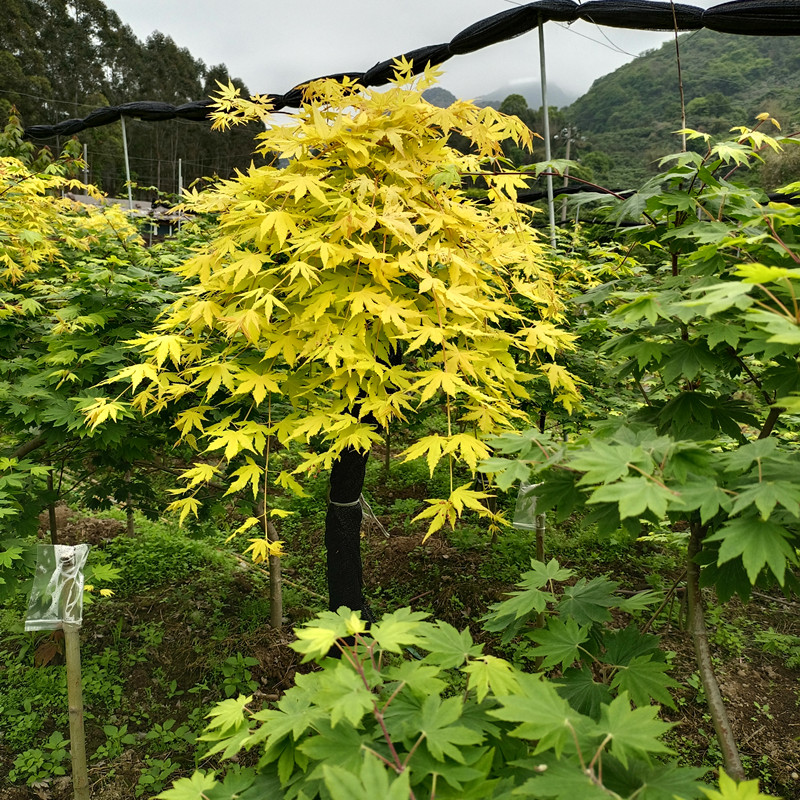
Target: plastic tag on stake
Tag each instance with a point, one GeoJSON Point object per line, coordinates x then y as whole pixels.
{"type": "Point", "coordinates": [525, 510]}
{"type": "Point", "coordinates": [57, 593]}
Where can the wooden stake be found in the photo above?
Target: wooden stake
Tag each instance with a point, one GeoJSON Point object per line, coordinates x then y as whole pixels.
{"type": "Point", "coordinates": [77, 740]}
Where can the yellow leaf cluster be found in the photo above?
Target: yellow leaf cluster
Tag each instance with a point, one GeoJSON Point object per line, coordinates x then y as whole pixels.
{"type": "Point", "coordinates": [262, 549]}
{"type": "Point", "coordinates": [357, 243]}
{"type": "Point", "coordinates": [38, 223]}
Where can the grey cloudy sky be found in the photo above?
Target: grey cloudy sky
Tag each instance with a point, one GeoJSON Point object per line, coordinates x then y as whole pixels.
{"type": "Point", "coordinates": [273, 45]}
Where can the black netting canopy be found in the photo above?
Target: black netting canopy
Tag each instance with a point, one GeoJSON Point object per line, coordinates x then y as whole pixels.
{"type": "Point", "coordinates": [745, 17]}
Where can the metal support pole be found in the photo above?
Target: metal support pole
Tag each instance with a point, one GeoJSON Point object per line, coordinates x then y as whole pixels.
{"type": "Point", "coordinates": [85, 163]}
{"type": "Point", "coordinates": [127, 163]}
{"type": "Point", "coordinates": [540, 523]}
{"type": "Point", "coordinates": [180, 185]}
{"type": "Point", "coordinates": [566, 178]}
{"type": "Point", "coordinates": [547, 154]}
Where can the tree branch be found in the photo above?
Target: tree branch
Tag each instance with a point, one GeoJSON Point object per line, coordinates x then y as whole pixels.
{"type": "Point", "coordinates": [769, 423]}
{"type": "Point", "coordinates": [699, 634]}
{"type": "Point", "coordinates": [29, 446]}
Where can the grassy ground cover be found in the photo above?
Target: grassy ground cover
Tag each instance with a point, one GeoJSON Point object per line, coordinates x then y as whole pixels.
{"type": "Point", "coordinates": [187, 628]}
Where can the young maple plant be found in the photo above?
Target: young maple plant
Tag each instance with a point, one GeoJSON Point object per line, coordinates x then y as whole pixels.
{"type": "Point", "coordinates": [347, 284]}
{"type": "Point", "coordinates": [709, 336]}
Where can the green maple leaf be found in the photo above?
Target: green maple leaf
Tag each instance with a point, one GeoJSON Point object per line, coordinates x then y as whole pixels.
{"type": "Point", "coordinates": [229, 714]}
{"type": "Point", "coordinates": [644, 680]}
{"type": "Point", "coordinates": [604, 463]}
{"type": "Point", "coordinates": [507, 472]}
{"type": "Point", "coordinates": [621, 646]}
{"type": "Point", "coordinates": [632, 731]}
{"type": "Point", "coordinates": [543, 715]}
{"type": "Point", "coordinates": [639, 601]}
{"type": "Point", "coordinates": [743, 457]}
{"type": "Point", "coordinates": [419, 677]}
{"type": "Point", "coordinates": [442, 736]}
{"type": "Point", "coordinates": [687, 360]}
{"type": "Point", "coordinates": [563, 780]}
{"type": "Point", "coordinates": [559, 491]}
{"type": "Point", "coordinates": [519, 605]}
{"type": "Point", "coordinates": [447, 646]}
{"type": "Point", "coordinates": [318, 637]}
{"type": "Point", "coordinates": [588, 601]}
{"type": "Point", "coordinates": [456, 775]}
{"type": "Point", "coordinates": [8, 556]}
{"type": "Point", "coordinates": [669, 782]}
{"type": "Point", "coordinates": [296, 713]}
{"type": "Point", "coordinates": [704, 495]}
{"type": "Point", "coordinates": [635, 496]}
{"type": "Point", "coordinates": [721, 332]}
{"type": "Point", "coordinates": [244, 786]}
{"type": "Point", "coordinates": [343, 746]}
{"type": "Point", "coordinates": [373, 781]}
{"type": "Point", "coordinates": [559, 642]}
{"type": "Point", "coordinates": [579, 688]}
{"type": "Point", "coordinates": [530, 601]}
{"type": "Point", "coordinates": [194, 788]}
{"type": "Point", "coordinates": [766, 495]}
{"type": "Point", "coordinates": [731, 790]}
{"type": "Point", "coordinates": [489, 672]}
{"type": "Point", "coordinates": [399, 629]}
{"type": "Point", "coordinates": [344, 695]}
{"type": "Point", "coordinates": [643, 350]}
{"type": "Point", "coordinates": [759, 543]}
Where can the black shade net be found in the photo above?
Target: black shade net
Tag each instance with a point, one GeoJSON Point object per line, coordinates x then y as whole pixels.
{"type": "Point", "coordinates": [747, 17]}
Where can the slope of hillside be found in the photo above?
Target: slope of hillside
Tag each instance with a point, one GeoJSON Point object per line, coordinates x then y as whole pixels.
{"type": "Point", "coordinates": [631, 114]}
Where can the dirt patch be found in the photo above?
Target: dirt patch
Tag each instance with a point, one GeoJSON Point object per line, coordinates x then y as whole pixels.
{"type": "Point", "coordinates": [73, 528]}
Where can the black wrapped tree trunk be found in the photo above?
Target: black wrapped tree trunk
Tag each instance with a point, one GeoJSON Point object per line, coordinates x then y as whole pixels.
{"type": "Point", "coordinates": [343, 531]}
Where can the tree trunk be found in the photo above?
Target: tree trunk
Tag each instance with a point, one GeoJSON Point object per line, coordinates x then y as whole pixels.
{"type": "Point", "coordinates": [51, 509]}
{"type": "Point", "coordinates": [343, 531]}
{"type": "Point", "coordinates": [129, 521]}
{"type": "Point", "coordinates": [699, 633]}
{"type": "Point", "coordinates": [275, 583]}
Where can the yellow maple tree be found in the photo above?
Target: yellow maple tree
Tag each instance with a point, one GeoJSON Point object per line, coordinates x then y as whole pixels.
{"type": "Point", "coordinates": [352, 281]}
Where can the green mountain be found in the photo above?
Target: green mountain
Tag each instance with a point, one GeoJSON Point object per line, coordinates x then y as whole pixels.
{"type": "Point", "coordinates": [627, 119]}
{"type": "Point", "coordinates": [531, 90]}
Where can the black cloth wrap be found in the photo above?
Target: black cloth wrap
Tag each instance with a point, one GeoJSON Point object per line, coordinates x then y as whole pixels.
{"type": "Point", "coordinates": [747, 17]}
{"type": "Point", "coordinates": [343, 531]}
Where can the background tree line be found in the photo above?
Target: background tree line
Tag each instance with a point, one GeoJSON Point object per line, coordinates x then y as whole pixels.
{"type": "Point", "coordinates": [63, 58]}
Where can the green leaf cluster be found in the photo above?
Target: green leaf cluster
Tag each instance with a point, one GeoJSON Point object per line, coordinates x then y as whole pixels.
{"type": "Point", "coordinates": [376, 723]}
{"type": "Point", "coordinates": [566, 621]}
{"type": "Point", "coordinates": [705, 332]}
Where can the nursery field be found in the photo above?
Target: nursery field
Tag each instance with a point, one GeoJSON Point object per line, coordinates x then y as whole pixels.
{"type": "Point", "coordinates": [387, 495]}
{"type": "Point", "coordinates": [187, 628]}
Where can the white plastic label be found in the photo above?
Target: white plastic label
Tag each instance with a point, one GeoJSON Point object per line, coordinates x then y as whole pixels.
{"type": "Point", "coordinates": [525, 510]}
{"type": "Point", "coordinates": [57, 593]}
